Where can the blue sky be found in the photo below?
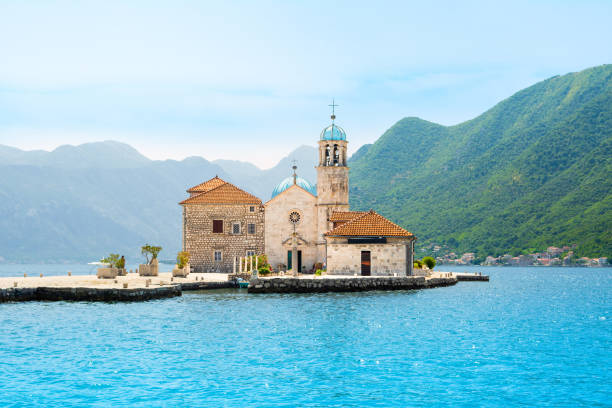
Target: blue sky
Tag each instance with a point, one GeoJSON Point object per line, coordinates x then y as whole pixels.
{"type": "Point", "coordinates": [253, 80]}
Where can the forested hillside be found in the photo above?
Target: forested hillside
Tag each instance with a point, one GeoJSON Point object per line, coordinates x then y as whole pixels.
{"type": "Point", "coordinates": [535, 170]}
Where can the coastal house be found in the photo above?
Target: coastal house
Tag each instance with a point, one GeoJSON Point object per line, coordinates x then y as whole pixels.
{"type": "Point", "coordinates": [221, 222]}
{"type": "Point", "coordinates": [301, 228]}
{"type": "Point", "coordinates": [368, 244]}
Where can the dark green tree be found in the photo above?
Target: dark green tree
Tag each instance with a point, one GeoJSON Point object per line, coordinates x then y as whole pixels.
{"type": "Point", "coordinates": [429, 261]}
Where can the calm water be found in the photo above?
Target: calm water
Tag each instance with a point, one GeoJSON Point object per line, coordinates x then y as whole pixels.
{"type": "Point", "coordinates": [530, 337]}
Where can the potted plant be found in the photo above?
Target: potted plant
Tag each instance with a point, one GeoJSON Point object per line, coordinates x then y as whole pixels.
{"type": "Point", "coordinates": [111, 270]}
{"type": "Point", "coordinates": [181, 268]}
{"type": "Point", "coordinates": [151, 268]}
{"type": "Point", "coordinates": [120, 264]}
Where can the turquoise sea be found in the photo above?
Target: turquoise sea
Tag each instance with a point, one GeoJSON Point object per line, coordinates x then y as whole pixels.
{"type": "Point", "coordinates": [529, 337]}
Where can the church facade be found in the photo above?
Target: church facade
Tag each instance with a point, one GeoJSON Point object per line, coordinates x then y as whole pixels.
{"type": "Point", "coordinates": [301, 228]}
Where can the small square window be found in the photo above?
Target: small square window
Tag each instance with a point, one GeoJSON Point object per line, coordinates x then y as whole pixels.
{"type": "Point", "coordinates": [218, 226]}
{"type": "Point", "coordinates": [250, 253]}
{"type": "Point", "coordinates": [252, 208]}
{"type": "Point", "coordinates": [218, 257]}
{"type": "Point", "coordinates": [236, 228]}
{"type": "Point", "coordinates": [251, 228]}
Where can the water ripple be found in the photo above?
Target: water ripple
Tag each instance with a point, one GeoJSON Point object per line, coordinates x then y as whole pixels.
{"type": "Point", "coordinates": [535, 337]}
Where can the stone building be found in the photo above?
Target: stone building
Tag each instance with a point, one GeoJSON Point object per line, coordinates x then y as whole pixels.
{"type": "Point", "coordinates": [221, 223]}
{"type": "Point", "coordinates": [301, 227]}
{"type": "Point", "coordinates": [291, 225]}
{"type": "Point", "coordinates": [366, 243]}
{"type": "Point", "coordinates": [298, 214]}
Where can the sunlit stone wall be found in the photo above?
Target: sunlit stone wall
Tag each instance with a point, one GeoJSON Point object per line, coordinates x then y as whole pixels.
{"type": "Point", "coordinates": [201, 243]}
{"type": "Point", "coordinates": [386, 259]}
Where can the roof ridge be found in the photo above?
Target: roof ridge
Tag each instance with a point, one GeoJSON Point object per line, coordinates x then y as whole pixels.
{"type": "Point", "coordinates": [360, 213]}
{"type": "Point", "coordinates": [219, 186]}
{"type": "Point", "coordinates": [235, 187]}
{"type": "Point", "coordinates": [191, 189]}
{"type": "Point", "coordinates": [388, 220]}
{"type": "Point", "coordinates": [371, 230]}
{"type": "Point", "coordinates": [226, 193]}
{"type": "Point", "coordinates": [347, 223]}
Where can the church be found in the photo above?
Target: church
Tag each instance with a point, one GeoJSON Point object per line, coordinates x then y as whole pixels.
{"type": "Point", "coordinates": [301, 228]}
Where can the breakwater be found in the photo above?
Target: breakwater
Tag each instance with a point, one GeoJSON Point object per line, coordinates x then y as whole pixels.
{"type": "Point", "coordinates": [88, 294]}
{"type": "Point", "coordinates": [472, 277]}
{"type": "Point", "coordinates": [206, 285]}
{"type": "Point", "coordinates": [93, 294]}
{"type": "Point", "coordinates": [346, 284]}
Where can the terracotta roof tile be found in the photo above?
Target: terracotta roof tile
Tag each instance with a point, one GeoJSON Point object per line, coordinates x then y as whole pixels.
{"type": "Point", "coordinates": [207, 185]}
{"type": "Point", "coordinates": [226, 193]}
{"type": "Point", "coordinates": [369, 224]}
{"type": "Point", "coordinates": [338, 216]}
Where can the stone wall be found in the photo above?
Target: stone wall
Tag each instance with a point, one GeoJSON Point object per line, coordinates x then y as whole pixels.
{"type": "Point", "coordinates": [201, 243]}
{"type": "Point", "coordinates": [386, 259]}
{"type": "Point", "coordinates": [333, 185]}
{"type": "Point", "coordinates": [301, 285]}
{"type": "Point", "coordinates": [87, 294]}
{"type": "Point", "coordinates": [332, 194]}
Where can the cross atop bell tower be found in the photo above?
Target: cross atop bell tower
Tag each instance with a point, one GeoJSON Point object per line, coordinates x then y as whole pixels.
{"type": "Point", "coordinates": [333, 106]}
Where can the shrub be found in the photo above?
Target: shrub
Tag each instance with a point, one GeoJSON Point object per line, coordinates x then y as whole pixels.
{"type": "Point", "coordinates": [262, 260]}
{"type": "Point", "coordinates": [429, 261]}
{"type": "Point", "coordinates": [182, 259]}
{"type": "Point", "coordinates": [264, 270]}
{"type": "Point", "coordinates": [120, 263]}
{"type": "Point", "coordinates": [111, 260]}
{"type": "Point", "coordinates": [150, 250]}
{"type": "Point", "coordinates": [418, 264]}
{"type": "Point", "coordinates": [319, 272]}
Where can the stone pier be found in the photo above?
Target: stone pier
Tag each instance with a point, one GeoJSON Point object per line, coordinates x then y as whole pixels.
{"type": "Point", "coordinates": [346, 283]}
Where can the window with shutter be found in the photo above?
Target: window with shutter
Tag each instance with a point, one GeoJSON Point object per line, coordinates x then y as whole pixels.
{"type": "Point", "coordinates": [218, 226]}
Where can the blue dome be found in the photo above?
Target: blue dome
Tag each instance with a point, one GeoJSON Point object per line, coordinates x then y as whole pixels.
{"type": "Point", "coordinates": [333, 132]}
{"type": "Point", "coordinates": [288, 182]}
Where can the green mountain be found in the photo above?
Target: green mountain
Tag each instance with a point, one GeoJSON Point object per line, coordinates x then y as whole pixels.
{"type": "Point", "coordinates": [533, 171]}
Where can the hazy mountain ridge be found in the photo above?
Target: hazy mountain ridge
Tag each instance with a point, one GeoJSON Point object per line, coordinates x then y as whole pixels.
{"type": "Point", "coordinates": [61, 210]}
{"type": "Point", "coordinates": [107, 154]}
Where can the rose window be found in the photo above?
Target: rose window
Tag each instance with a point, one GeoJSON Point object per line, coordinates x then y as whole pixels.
{"type": "Point", "coordinates": [294, 217]}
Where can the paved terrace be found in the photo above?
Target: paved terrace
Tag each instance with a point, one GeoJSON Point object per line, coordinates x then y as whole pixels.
{"type": "Point", "coordinates": [133, 280]}
{"type": "Point", "coordinates": [137, 288]}
{"type": "Point", "coordinates": [123, 288]}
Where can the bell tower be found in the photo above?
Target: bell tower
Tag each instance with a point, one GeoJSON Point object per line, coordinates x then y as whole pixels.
{"type": "Point", "coordinates": [332, 176]}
